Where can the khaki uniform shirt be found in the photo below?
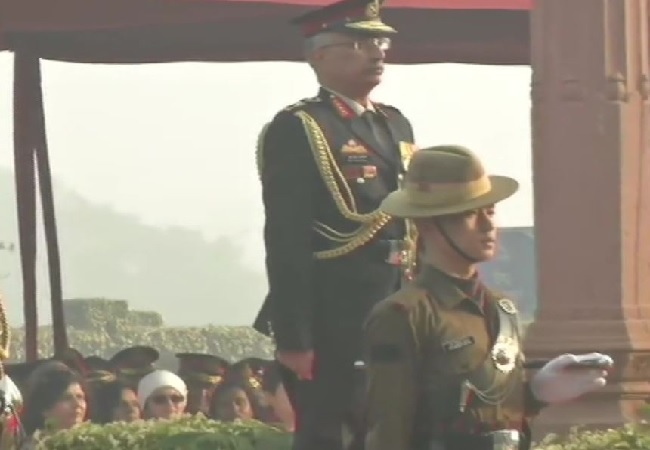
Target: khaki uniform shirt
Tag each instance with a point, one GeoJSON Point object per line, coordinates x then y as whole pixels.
{"type": "Point", "coordinates": [419, 344]}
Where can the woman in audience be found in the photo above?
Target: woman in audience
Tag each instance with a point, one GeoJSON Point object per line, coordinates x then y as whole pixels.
{"type": "Point", "coordinates": [114, 401]}
{"type": "Point", "coordinates": [54, 400]}
{"type": "Point", "coordinates": [235, 400]}
{"type": "Point", "coordinates": [162, 395]}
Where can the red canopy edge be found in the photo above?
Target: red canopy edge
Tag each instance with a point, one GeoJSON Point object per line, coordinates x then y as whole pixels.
{"type": "Point", "coordinates": [419, 4]}
{"type": "Point", "coordinates": [198, 34]}
{"type": "Point", "coordinates": [70, 15]}
{"type": "Point", "coordinates": [246, 30]}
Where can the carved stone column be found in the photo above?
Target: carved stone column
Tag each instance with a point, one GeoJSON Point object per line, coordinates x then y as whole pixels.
{"type": "Point", "coordinates": [591, 155]}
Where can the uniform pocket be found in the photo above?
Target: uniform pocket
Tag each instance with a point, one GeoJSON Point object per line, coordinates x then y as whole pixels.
{"type": "Point", "coordinates": [460, 352]}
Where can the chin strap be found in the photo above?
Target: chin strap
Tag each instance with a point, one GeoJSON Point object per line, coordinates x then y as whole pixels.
{"type": "Point", "coordinates": [452, 244]}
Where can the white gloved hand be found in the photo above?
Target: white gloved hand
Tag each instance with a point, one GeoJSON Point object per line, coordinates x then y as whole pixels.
{"type": "Point", "coordinates": [556, 383]}
{"type": "Point", "coordinates": [10, 390]}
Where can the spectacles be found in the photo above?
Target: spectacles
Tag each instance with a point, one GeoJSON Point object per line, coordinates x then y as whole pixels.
{"type": "Point", "coordinates": [163, 399]}
{"type": "Point", "coordinates": [382, 43]}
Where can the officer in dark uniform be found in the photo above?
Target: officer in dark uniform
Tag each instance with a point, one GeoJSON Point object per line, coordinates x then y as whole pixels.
{"type": "Point", "coordinates": [133, 363]}
{"type": "Point", "coordinates": [202, 373]}
{"type": "Point", "coordinates": [445, 369]}
{"type": "Point", "coordinates": [326, 163]}
{"type": "Point", "coordinates": [98, 370]}
{"type": "Point", "coordinates": [73, 359]}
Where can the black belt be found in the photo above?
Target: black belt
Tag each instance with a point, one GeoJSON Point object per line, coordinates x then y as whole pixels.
{"type": "Point", "coordinates": [386, 250]}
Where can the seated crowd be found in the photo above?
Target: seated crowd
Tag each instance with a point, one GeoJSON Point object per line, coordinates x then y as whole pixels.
{"type": "Point", "coordinates": [60, 393]}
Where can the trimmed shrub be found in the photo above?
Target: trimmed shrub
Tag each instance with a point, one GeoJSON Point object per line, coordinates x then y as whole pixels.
{"type": "Point", "coordinates": [199, 433]}
{"type": "Point", "coordinates": [631, 437]}
{"type": "Point", "coordinates": [191, 433]}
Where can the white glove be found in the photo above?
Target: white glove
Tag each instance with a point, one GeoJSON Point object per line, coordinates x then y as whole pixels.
{"type": "Point", "coordinates": [10, 390]}
{"type": "Point", "coordinates": [554, 383]}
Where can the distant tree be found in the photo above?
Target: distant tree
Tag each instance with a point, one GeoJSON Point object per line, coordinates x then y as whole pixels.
{"type": "Point", "coordinates": [177, 272]}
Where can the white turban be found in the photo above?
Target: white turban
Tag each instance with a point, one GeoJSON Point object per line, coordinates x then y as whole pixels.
{"type": "Point", "coordinates": [10, 390]}
{"type": "Point", "coordinates": [158, 379]}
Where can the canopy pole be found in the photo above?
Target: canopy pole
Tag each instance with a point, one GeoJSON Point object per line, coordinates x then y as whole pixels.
{"type": "Point", "coordinates": [26, 83]}
{"type": "Point", "coordinates": [49, 221]}
{"type": "Point", "coordinates": [31, 152]}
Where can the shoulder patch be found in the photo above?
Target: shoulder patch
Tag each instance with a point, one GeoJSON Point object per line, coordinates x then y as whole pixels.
{"type": "Point", "coordinates": [302, 103]}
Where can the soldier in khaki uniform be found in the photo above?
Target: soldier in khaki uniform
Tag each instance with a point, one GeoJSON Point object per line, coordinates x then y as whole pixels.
{"type": "Point", "coordinates": [444, 363]}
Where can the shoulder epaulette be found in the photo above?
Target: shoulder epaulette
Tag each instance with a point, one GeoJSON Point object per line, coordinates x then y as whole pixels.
{"type": "Point", "coordinates": [386, 107]}
{"type": "Point", "coordinates": [302, 103]}
{"type": "Point", "coordinates": [408, 298]}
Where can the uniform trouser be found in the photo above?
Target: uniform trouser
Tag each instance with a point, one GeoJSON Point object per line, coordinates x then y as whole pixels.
{"type": "Point", "coordinates": [325, 406]}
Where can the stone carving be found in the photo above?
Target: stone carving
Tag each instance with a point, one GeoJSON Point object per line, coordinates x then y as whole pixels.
{"type": "Point", "coordinates": [616, 88]}
{"type": "Point", "coordinates": [644, 86]}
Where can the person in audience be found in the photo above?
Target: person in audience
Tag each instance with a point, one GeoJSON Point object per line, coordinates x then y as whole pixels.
{"type": "Point", "coordinates": [54, 400]}
{"type": "Point", "coordinates": [112, 400]}
{"type": "Point", "coordinates": [162, 395]}
{"type": "Point", "coordinates": [133, 363]}
{"type": "Point", "coordinates": [276, 397]}
{"type": "Point", "coordinates": [240, 397]}
{"type": "Point", "coordinates": [202, 374]}
{"type": "Point", "coordinates": [235, 401]}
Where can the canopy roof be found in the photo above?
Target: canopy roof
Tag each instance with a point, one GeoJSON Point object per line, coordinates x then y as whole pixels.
{"type": "Point", "coordinates": [147, 31]}
{"type": "Point", "coordinates": [142, 31]}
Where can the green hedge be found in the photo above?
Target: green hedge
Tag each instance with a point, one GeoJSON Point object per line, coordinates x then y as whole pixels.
{"type": "Point", "coordinates": [195, 433]}
{"type": "Point", "coordinates": [631, 437]}
{"type": "Point", "coordinates": [198, 433]}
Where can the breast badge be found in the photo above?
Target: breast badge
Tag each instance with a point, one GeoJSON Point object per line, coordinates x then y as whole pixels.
{"type": "Point", "coordinates": [352, 147]}
{"type": "Point", "coordinates": [507, 306]}
{"type": "Point", "coordinates": [504, 354]}
{"type": "Point", "coordinates": [359, 174]}
{"type": "Point", "coordinates": [407, 149]}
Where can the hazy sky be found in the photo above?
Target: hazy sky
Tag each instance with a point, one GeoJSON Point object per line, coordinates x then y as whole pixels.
{"type": "Point", "coordinates": [175, 143]}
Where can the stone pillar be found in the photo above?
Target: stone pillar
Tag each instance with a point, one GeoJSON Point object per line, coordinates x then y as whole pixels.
{"type": "Point", "coordinates": [591, 155]}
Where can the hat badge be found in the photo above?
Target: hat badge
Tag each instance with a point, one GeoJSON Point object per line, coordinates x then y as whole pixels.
{"type": "Point", "coordinates": [372, 10]}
